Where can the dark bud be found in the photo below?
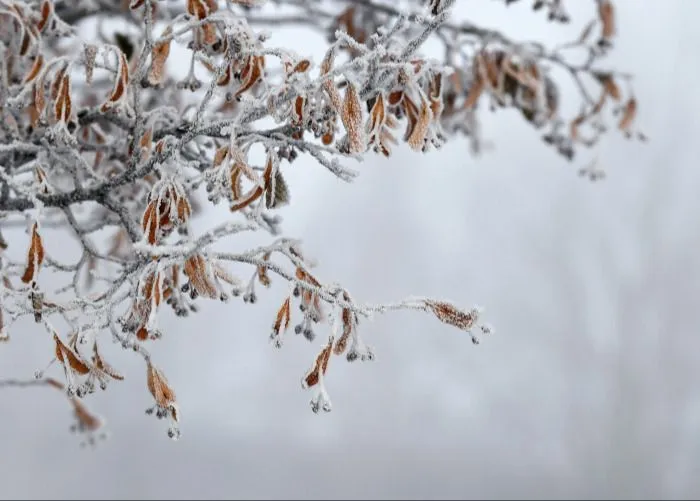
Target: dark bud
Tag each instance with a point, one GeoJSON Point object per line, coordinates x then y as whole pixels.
{"type": "Point", "coordinates": [309, 334]}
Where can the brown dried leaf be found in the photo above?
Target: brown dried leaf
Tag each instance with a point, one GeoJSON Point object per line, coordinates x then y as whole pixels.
{"type": "Point", "coordinates": [201, 8]}
{"type": "Point", "coordinates": [251, 74]}
{"type": "Point", "coordinates": [63, 104]}
{"type": "Point", "coordinates": [351, 115]}
{"type": "Point", "coordinates": [449, 314]}
{"type": "Point", "coordinates": [121, 83]}
{"type": "Point", "coordinates": [57, 82]}
{"type": "Point", "coordinates": [299, 110]}
{"type": "Point", "coordinates": [573, 128]}
{"type": "Point", "coordinates": [327, 62]}
{"type": "Point", "coordinates": [147, 288]}
{"type": "Point", "coordinates": [417, 138]}
{"type": "Point", "coordinates": [263, 277]}
{"type": "Point", "coordinates": [255, 192]}
{"type": "Point", "coordinates": [307, 277]}
{"type": "Point", "coordinates": [378, 120]}
{"type": "Point", "coordinates": [395, 97]}
{"type": "Point", "coordinates": [184, 209]}
{"type": "Point", "coordinates": [609, 85]}
{"type": "Point", "coordinates": [46, 11]}
{"type": "Point", "coordinates": [220, 155]}
{"type": "Point", "coordinates": [35, 256]}
{"type": "Point", "coordinates": [342, 342]}
{"type": "Point", "coordinates": [209, 36]}
{"type": "Point", "coordinates": [223, 274]}
{"type": "Point", "coordinates": [31, 34]}
{"type": "Point", "coordinates": [629, 113]}
{"type": "Point", "coordinates": [34, 71]}
{"type": "Point", "coordinates": [159, 56]}
{"type": "Point", "coordinates": [104, 366]}
{"type": "Point", "coordinates": [436, 101]}
{"type": "Point", "coordinates": [320, 365]}
{"type": "Point", "coordinates": [247, 199]}
{"type": "Point", "coordinates": [235, 182]}
{"type": "Point", "coordinates": [196, 270]}
{"type": "Point", "coordinates": [377, 114]}
{"type": "Point", "coordinates": [36, 108]}
{"type": "Point", "coordinates": [411, 111]}
{"type": "Point", "coordinates": [475, 92]}
{"type": "Point", "coordinates": [606, 14]}
{"type": "Point", "coordinates": [159, 388]}
{"type": "Point", "coordinates": [53, 383]}
{"type": "Point", "coordinates": [302, 66]}
{"type": "Point", "coordinates": [142, 333]}
{"type": "Point", "coordinates": [149, 223]}
{"type": "Point", "coordinates": [328, 83]}
{"type": "Point", "coordinates": [42, 180]}
{"type": "Point", "coordinates": [157, 289]}
{"type": "Point", "coordinates": [87, 420]}
{"type": "Point", "coordinates": [66, 355]}
{"type": "Point", "coordinates": [146, 142]}
{"type": "Point", "coordinates": [283, 317]}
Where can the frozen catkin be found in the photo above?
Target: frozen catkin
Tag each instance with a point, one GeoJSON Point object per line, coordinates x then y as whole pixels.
{"type": "Point", "coordinates": [129, 141]}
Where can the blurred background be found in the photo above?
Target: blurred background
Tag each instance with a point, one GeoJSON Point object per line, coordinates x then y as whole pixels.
{"type": "Point", "coordinates": [588, 388]}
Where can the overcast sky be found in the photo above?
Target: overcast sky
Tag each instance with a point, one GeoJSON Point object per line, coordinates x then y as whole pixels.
{"type": "Point", "coordinates": [588, 387]}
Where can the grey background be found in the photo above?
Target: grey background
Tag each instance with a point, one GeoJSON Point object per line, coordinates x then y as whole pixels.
{"type": "Point", "coordinates": [588, 387]}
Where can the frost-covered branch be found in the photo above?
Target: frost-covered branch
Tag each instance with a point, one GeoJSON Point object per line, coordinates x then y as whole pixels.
{"type": "Point", "coordinates": [98, 138]}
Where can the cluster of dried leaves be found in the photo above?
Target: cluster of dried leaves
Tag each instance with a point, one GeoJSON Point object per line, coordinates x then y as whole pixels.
{"type": "Point", "coordinates": [97, 136]}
